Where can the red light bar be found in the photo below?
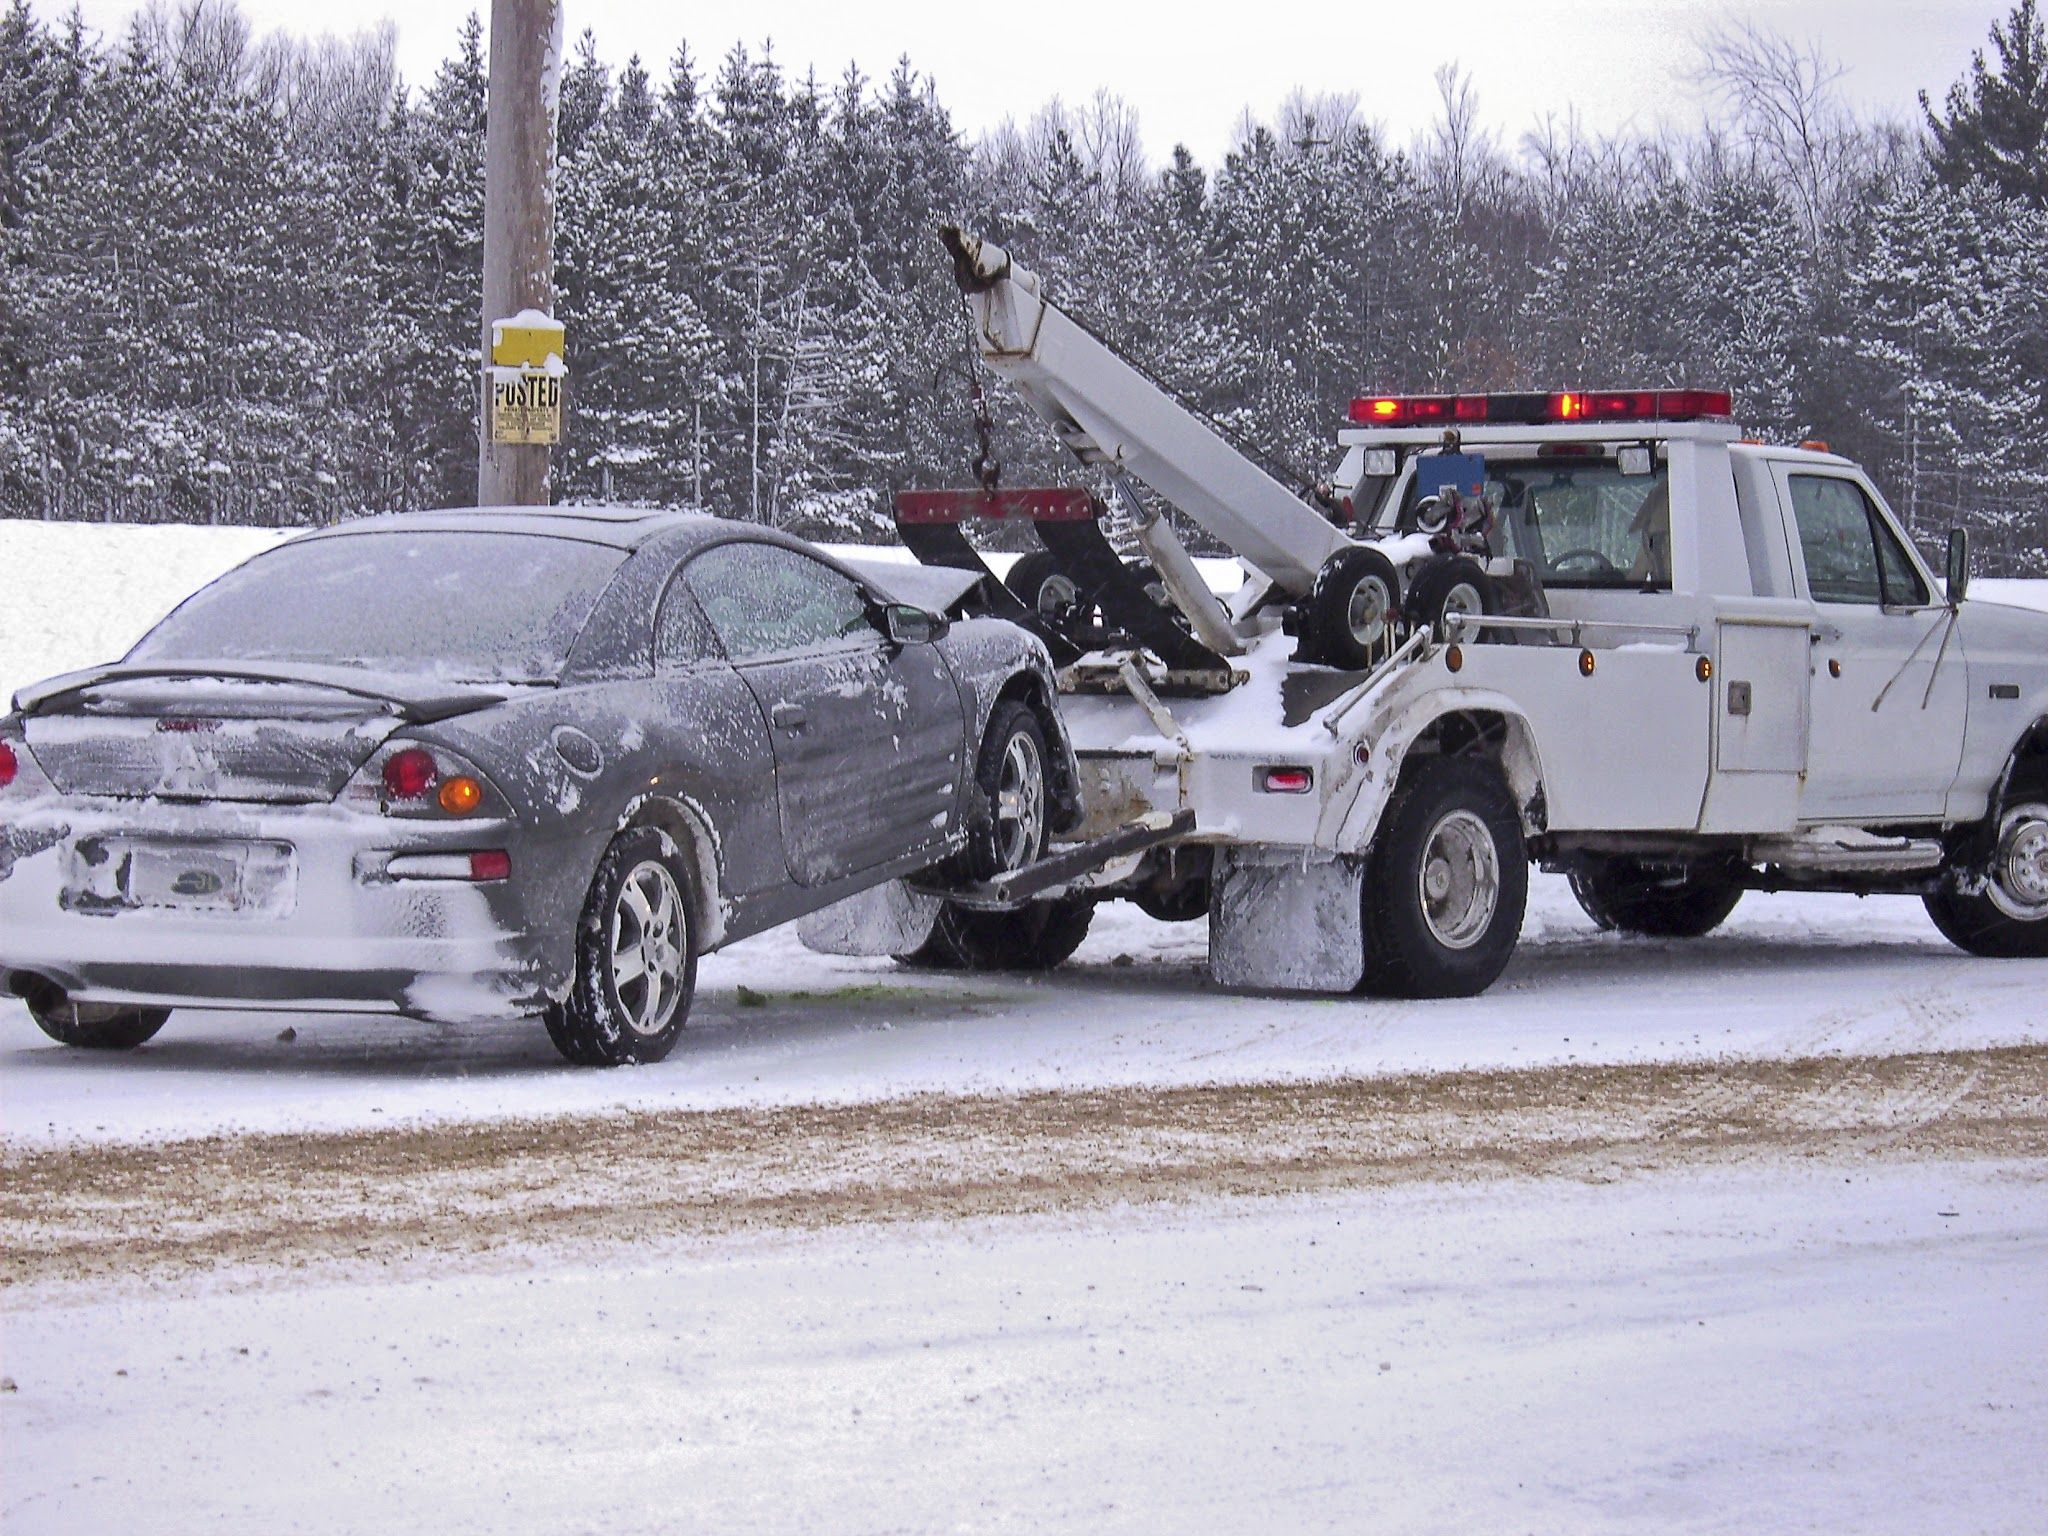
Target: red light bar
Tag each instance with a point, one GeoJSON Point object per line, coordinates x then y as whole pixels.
{"type": "Point", "coordinates": [1536, 410]}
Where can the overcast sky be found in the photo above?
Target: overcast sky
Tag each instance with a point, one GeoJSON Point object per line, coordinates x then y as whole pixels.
{"type": "Point", "coordinates": [1191, 68]}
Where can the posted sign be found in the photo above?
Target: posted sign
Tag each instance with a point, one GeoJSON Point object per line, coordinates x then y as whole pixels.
{"type": "Point", "coordinates": [526, 406]}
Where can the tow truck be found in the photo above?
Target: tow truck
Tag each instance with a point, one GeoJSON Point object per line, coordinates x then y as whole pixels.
{"type": "Point", "coordinates": [1595, 630]}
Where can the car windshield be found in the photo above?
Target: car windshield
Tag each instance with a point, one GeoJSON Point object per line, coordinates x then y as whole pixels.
{"type": "Point", "coordinates": [469, 606]}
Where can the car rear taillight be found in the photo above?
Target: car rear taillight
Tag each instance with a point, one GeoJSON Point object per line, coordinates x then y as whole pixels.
{"type": "Point", "coordinates": [408, 775]}
{"type": "Point", "coordinates": [10, 765]}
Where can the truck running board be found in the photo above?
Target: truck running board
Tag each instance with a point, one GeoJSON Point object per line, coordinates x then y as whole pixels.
{"type": "Point", "coordinates": [1070, 864]}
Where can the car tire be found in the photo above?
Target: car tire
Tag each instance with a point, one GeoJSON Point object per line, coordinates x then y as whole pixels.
{"type": "Point", "coordinates": [1621, 894]}
{"type": "Point", "coordinates": [636, 957]}
{"type": "Point", "coordinates": [93, 1026]}
{"type": "Point", "coordinates": [1011, 820]}
{"type": "Point", "coordinates": [1453, 583]}
{"type": "Point", "coordinates": [1447, 883]}
{"type": "Point", "coordinates": [1353, 608]}
{"type": "Point", "coordinates": [1033, 938]}
{"type": "Point", "coordinates": [2008, 919]}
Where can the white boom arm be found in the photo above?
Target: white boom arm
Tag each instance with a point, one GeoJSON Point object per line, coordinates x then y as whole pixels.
{"type": "Point", "coordinates": [1107, 412]}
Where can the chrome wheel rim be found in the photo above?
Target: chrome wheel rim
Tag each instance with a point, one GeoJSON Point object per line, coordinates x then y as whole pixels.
{"type": "Point", "coordinates": [1020, 803]}
{"type": "Point", "coordinates": [1459, 882]}
{"type": "Point", "coordinates": [650, 948]}
{"type": "Point", "coordinates": [1463, 598]}
{"type": "Point", "coordinates": [1057, 597]}
{"type": "Point", "coordinates": [2019, 871]}
{"type": "Point", "coordinates": [1371, 602]}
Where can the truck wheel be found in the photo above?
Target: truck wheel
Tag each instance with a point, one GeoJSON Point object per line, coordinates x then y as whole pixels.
{"type": "Point", "coordinates": [2008, 919]}
{"type": "Point", "coordinates": [92, 1026]}
{"type": "Point", "coordinates": [1040, 585]}
{"type": "Point", "coordinates": [636, 958]}
{"type": "Point", "coordinates": [1621, 893]}
{"type": "Point", "coordinates": [1352, 607]}
{"type": "Point", "coordinates": [1033, 938]}
{"type": "Point", "coordinates": [1455, 585]}
{"type": "Point", "coordinates": [1447, 883]}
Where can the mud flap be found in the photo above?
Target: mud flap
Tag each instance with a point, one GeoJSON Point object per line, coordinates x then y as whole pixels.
{"type": "Point", "coordinates": [1286, 920]}
{"type": "Point", "coordinates": [889, 919]}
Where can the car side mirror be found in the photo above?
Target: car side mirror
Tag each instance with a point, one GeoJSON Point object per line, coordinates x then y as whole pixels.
{"type": "Point", "coordinates": [1958, 564]}
{"type": "Point", "coordinates": [906, 625]}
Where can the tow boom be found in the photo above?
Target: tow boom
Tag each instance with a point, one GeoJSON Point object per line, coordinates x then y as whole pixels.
{"type": "Point", "coordinates": [1109, 413]}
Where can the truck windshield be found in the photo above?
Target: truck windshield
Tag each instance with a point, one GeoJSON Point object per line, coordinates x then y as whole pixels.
{"type": "Point", "coordinates": [1583, 523]}
{"type": "Point", "coordinates": [479, 606]}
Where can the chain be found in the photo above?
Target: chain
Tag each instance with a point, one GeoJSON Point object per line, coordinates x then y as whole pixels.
{"type": "Point", "coordinates": [988, 472]}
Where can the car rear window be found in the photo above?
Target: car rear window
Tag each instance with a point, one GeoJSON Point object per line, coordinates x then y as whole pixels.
{"type": "Point", "coordinates": [481, 606]}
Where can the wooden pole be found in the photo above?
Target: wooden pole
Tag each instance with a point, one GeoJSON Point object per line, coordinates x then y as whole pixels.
{"type": "Point", "coordinates": [519, 216]}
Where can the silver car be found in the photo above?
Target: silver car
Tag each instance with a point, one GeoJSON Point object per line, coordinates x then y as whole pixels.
{"type": "Point", "coordinates": [498, 763]}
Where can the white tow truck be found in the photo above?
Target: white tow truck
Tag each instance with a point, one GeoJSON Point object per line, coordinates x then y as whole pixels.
{"type": "Point", "coordinates": [1597, 630]}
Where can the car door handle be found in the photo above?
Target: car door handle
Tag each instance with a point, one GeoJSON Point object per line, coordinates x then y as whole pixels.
{"type": "Point", "coordinates": [1826, 634]}
{"type": "Point", "coordinates": [790, 717]}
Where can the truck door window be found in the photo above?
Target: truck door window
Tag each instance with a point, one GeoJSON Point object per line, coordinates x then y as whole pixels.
{"type": "Point", "coordinates": [1851, 556]}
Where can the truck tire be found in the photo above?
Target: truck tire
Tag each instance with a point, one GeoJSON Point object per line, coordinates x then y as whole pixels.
{"type": "Point", "coordinates": [1622, 894]}
{"type": "Point", "coordinates": [1034, 938]}
{"type": "Point", "coordinates": [1447, 883]}
{"type": "Point", "coordinates": [92, 1026]}
{"type": "Point", "coordinates": [1456, 584]}
{"type": "Point", "coordinates": [2008, 919]}
{"type": "Point", "coordinates": [1039, 584]}
{"type": "Point", "coordinates": [636, 958]}
{"type": "Point", "coordinates": [1352, 608]}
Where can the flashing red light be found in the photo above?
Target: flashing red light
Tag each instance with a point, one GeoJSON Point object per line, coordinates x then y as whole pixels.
{"type": "Point", "coordinates": [1532, 410]}
{"type": "Point", "coordinates": [10, 765]}
{"type": "Point", "coordinates": [408, 775]}
{"type": "Point", "coordinates": [490, 864]}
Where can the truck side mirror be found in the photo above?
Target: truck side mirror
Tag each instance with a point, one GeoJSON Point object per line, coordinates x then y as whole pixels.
{"type": "Point", "coordinates": [1958, 565]}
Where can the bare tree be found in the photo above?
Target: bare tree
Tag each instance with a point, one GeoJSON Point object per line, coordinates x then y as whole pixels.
{"type": "Point", "coordinates": [1789, 114]}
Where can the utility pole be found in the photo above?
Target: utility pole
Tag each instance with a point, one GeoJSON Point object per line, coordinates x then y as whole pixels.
{"type": "Point", "coordinates": [519, 254]}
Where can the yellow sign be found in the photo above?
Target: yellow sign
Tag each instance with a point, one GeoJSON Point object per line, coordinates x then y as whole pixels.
{"type": "Point", "coordinates": [526, 406]}
{"type": "Point", "coordinates": [526, 340]}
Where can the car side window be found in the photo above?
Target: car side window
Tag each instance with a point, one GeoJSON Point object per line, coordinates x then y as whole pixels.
{"type": "Point", "coordinates": [682, 637]}
{"type": "Point", "coordinates": [1835, 535]}
{"type": "Point", "coordinates": [764, 600]}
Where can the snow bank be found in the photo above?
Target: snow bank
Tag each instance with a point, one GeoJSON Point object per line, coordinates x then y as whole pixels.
{"type": "Point", "coordinates": [82, 593]}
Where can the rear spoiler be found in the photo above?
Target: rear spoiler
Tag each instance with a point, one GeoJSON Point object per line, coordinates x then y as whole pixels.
{"type": "Point", "coordinates": [420, 700]}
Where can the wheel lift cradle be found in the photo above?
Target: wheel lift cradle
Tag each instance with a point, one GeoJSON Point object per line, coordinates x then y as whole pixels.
{"type": "Point", "coordinates": [1281, 918]}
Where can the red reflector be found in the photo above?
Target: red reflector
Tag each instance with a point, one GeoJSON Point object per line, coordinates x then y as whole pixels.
{"type": "Point", "coordinates": [492, 864]}
{"type": "Point", "coordinates": [1286, 781]}
{"type": "Point", "coordinates": [410, 774]}
{"type": "Point", "coordinates": [10, 765]}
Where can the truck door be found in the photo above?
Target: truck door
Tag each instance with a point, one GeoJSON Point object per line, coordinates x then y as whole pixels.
{"type": "Point", "coordinates": [869, 738]}
{"type": "Point", "coordinates": [1888, 692]}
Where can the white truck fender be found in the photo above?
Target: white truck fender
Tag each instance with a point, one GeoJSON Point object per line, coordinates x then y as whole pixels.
{"type": "Point", "coordinates": [1394, 734]}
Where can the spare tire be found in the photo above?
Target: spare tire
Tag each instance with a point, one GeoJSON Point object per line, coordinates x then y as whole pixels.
{"type": "Point", "coordinates": [1621, 893]}
{"type": "Point", "coordinates": [1353, 607]}
{"type": "Point", "coordinates": [1452, 584]}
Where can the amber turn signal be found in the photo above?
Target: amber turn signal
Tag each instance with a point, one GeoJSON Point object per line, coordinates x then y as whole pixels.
{"type": "Point", "coordinates": [1703, 669]}
{"type": "Point", "coordinates": [460, 796]}
{"type": "Point", "coordinates": [1454, 658]}
{"type": "Point", "coordinates": [1587, 663]}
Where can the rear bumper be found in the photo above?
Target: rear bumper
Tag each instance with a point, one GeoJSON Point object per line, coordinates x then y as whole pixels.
{"type": "Point", "coordinates": [344, 936]}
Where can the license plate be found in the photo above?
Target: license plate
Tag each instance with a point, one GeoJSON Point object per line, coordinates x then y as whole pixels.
{"type": "Point", "coordinates": [249, 877]}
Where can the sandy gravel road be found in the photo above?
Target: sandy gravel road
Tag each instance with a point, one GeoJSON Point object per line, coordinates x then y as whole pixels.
{"type": "Point", "coordinates": [85, 1214]}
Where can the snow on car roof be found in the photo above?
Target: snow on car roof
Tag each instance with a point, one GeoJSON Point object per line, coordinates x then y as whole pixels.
{"type": "Point", "coordinates": [619, 527]}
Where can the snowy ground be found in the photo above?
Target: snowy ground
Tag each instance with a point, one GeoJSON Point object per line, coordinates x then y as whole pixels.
{"type": "Point", "coordinates": [1747, 1234]}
